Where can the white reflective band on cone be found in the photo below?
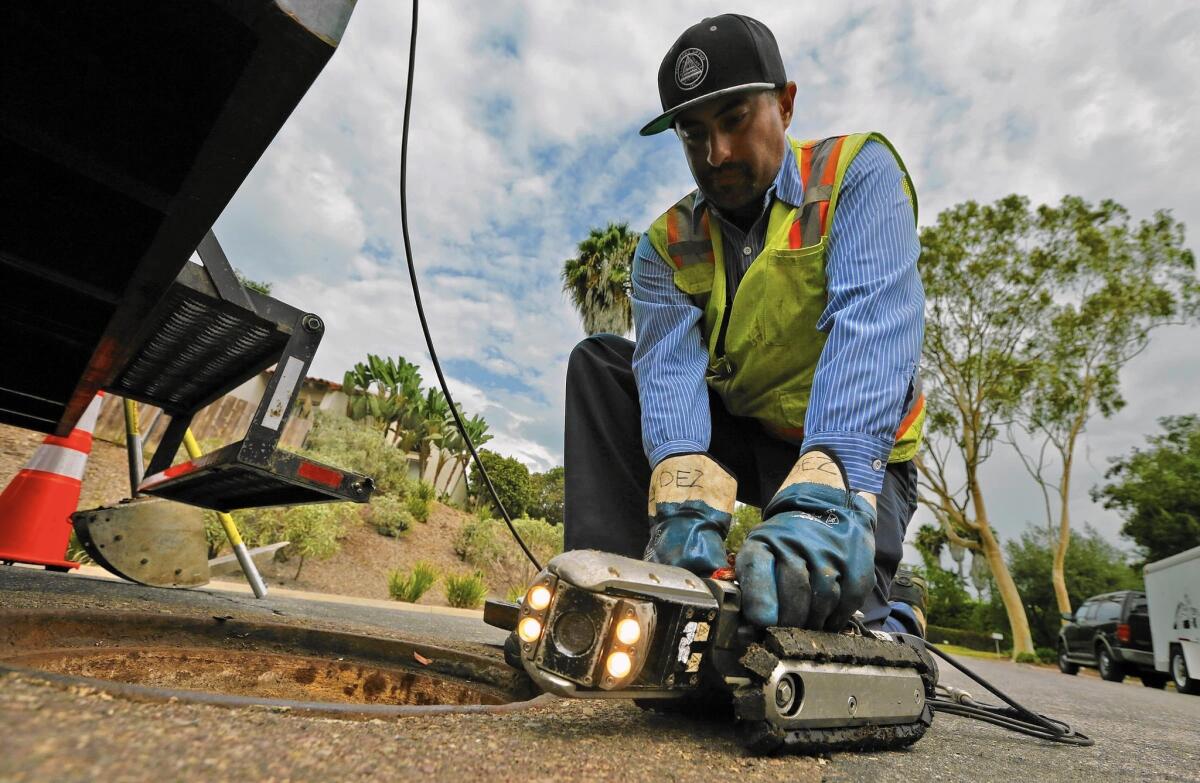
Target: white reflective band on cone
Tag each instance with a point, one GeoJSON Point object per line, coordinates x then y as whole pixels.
{"type": "Point", "coordinates": [87, 422]}
{"type": "Point", "coordinates": [58, 460]}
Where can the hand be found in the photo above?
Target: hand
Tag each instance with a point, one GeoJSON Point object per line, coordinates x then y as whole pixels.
{"type": "Point", "coordinates": [811, 564]}
{"type": "Point", "coordinates": [690, 511]}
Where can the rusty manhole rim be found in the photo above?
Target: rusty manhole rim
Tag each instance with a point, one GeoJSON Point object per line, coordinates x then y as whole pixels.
{"type": "Point", "coordinates": [445, 664]}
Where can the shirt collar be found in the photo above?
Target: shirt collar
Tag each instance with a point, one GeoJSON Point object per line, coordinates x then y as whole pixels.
{"type": "Point", "coordinates": [787, 186]}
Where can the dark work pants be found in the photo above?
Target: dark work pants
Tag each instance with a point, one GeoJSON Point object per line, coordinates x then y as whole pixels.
{"type": "Point", "coordinates": [607, 475]}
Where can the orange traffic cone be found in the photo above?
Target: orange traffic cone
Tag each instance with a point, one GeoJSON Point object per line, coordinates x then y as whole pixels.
{"type": "Point", "coordinates": [36, 506]}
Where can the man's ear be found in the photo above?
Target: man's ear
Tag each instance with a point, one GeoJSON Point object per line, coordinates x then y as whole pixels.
{"type": "Point", "coordinates": [786, 97]}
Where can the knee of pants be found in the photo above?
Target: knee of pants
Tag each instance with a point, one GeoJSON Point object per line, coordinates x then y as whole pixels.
{"type": "Point", "coordinates": [589, 349]}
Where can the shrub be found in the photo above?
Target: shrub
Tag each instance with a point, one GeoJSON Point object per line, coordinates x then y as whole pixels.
{"type": "Point", "coordinates": [420, 500]}
{"type": "Point", "coordinates": [258, 526]}
{"type": "Point", "coordinates": [973, 640]}
{"type": "Point", "coordinates": [1047, 654]}
{"type": "Point", "coordinates": [214, 533]}
{"type": "Point", "coordinates": [745, 519]}
{"type": "Point", "coordinates": [548, 492]}
{"type": "Point", "coordinates": [1027, 657]}
{"type": "Point", "coordinates": [411, 586]}
{"type": "Point", "coordinates": [389, 515]}
{"type": "Point", "coordinates": [488, 545]}
{"type": "Point", "coordinates": [311, 531]}
{"type": "Point", "coordinates": [466, 591]}
{"type": "Point", "coordinates": [356, 446]}
{"type": "Point", "coordinates": [76, 552]}
{"type": "Point", "coordinates": [510, 478]}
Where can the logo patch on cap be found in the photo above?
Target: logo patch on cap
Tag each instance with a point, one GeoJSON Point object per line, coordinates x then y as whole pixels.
{"type": "Point", "coordinates": [690, 68]}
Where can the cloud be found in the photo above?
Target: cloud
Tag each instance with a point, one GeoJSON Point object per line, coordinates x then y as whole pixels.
{"type": "Point", "coordinates": [524, 135]}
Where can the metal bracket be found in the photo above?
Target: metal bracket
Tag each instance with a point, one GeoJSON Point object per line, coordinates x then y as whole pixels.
{"type": "Point", "coordinates": [220, 271]}
{"type": "Point", "coordinates": [275, 407]}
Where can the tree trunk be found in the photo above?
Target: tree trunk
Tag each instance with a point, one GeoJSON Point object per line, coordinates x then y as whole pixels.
{"type": "Point", "coordinates": [1017, 620]}
{"type": "Point", "coordinates": [443, 458]}
{"type": "Point", "coordinates": [1057, 574]}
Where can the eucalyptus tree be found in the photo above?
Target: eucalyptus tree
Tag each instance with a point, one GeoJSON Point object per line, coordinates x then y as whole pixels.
{"type": "Point", "coordinates": [988, 282]}
{"type": "Point", "coordinates": [597, 280]}
{"type": "Point", "coordinates": [1117, 282]}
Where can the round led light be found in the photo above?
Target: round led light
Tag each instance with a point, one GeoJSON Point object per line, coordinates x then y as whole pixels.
{"type": "Point", "coordinates": [628, 631]}
{"type": "Point", "coordinates": [618, 664]}
{"type": "Point", "coordinates": [539, 597]}
{"type": "Point", "coordinates": [529, 630]}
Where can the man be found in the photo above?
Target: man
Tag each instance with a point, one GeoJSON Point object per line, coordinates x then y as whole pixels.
{"type": "Point", "coordinates": [779, 320]}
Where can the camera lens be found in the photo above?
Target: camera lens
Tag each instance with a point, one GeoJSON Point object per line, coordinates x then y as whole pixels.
{"type": "Point", "coordinates": [574, 633]}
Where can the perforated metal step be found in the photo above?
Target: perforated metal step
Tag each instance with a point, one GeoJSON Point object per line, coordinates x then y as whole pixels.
{"type": "Point", "coordinates": [196, 346]}
{"type": "Point", "coordinates": [227, 479]}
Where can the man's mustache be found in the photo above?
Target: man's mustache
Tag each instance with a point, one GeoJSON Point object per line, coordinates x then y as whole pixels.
{"type": "Point", "coordinates": [726, 170]}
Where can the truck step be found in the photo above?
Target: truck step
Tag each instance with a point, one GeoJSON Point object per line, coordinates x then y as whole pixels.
{"type": "Point", "coordinates": [196, 346]}
{"type": "Point", "coordinates": [234, 477]}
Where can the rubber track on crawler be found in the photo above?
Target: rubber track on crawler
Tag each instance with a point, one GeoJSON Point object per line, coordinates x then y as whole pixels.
{"type": "Point", "coordinates": [758, 735]}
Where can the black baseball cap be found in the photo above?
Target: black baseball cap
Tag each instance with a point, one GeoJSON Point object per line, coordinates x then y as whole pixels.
{"type": "Point", "coordinates": [718, 56]}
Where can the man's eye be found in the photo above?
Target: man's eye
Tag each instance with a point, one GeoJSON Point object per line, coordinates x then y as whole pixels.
{"type": "Point", "coordinates": [734, 120]}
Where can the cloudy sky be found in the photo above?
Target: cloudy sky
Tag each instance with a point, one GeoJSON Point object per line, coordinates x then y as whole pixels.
{"type": "Point", "coordinates": [524, 135]}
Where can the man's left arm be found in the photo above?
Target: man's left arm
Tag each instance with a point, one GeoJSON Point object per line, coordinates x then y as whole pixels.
{"type": "Point", "coordinates": [875, 321]}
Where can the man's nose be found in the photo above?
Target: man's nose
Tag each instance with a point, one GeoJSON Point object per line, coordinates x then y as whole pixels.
{"type": "Point", "coordinates": [718, 149]}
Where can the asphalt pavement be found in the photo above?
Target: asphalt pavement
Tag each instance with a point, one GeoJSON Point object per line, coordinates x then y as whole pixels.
{"type": "Point", "coordinates": [68, 734]}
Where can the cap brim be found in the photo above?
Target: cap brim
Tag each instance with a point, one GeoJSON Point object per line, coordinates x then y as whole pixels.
{"type": "Point", "coordinates": [664, 121]}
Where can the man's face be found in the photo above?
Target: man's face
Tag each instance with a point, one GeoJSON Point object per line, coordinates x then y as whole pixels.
{"type": "Point", "coordinates": [735, 144]}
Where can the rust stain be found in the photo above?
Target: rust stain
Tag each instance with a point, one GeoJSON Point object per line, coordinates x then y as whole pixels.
{"type": "Point", "coordinates": [374, 685]}
{"type": "Point", "coordinates": [305, 676]}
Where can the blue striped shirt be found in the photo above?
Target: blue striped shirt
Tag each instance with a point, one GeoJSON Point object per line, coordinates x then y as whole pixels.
{"type": "Point", "coordinates": [874, 321]}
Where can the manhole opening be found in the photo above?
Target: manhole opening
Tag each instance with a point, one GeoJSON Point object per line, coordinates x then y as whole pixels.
{"type": "Point", "coordinates": [259, 675]}
{"type": "Point", "coordinates": [221, 660]}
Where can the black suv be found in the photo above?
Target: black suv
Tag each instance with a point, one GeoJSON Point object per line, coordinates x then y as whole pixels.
{"type": "Point", "coordinates": [1112, 633]}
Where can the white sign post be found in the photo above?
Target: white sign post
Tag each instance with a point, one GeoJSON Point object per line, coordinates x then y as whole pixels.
{"type": "Point", "coordinates": [997, 637]}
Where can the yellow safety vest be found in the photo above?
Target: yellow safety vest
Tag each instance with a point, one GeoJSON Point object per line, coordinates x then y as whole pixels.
{"type": "Point", "coordinates": [761, 358]}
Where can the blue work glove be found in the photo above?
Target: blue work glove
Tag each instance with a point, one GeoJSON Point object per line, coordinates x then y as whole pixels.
{"type": "Point", "coordinates": [811, 563]}
{"type": "Point", "coordinates": [691, 511]}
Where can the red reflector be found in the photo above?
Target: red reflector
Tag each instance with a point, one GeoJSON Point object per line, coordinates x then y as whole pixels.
{"type": "Point", "coordinates": [1123, 634]}
{"type": "Point", "coordinates": [326, 476]}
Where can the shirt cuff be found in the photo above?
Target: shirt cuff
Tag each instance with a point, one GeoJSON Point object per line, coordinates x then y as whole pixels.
{"type": "Point", "coordinates": [664, 450]}
{"type": "Point", "coordinates": [864, 456]}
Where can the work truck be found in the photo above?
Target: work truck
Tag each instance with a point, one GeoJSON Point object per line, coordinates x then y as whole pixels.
{"type": "Point", "coordinates": [1173, 591]}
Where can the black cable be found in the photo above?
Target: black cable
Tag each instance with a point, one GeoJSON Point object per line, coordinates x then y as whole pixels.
{"type": "Point", "coordinates": [1064, 736]}
{"type": "Point", "coordinates": [412, 273]}
{"type": "Point", "coordinates": [1015, 717]}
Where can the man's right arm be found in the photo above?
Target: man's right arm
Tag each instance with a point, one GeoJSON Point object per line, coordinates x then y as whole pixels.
{"type": "Point", "coordinates": [669, 361]}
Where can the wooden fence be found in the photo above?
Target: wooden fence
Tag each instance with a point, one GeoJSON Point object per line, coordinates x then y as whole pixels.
{"type": "Point", "coordinates": [223, 422]}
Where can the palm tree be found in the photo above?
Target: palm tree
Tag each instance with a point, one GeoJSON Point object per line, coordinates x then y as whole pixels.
{"type": "Point", "coordinates": [381, 390]}
{"type": "Point", "coordinates": [453, 449]}
{"type": "Point", "coordinates": [929, 543]}
{"type": "Point", "coordinates": [432, 421]}
{"type": "Point", "coordinates": [598, 279]}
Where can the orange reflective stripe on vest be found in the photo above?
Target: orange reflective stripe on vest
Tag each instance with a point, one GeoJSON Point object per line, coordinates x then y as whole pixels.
{"type": "Point", "coordinates": [684, 246]}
